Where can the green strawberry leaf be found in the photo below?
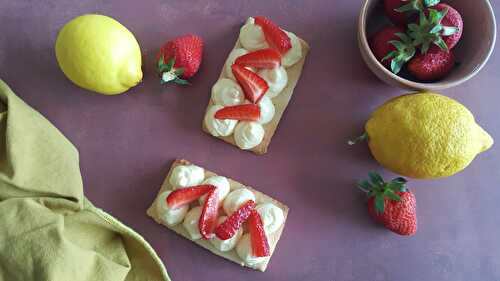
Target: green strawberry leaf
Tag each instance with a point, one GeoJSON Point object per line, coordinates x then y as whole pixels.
{"type": "Point", "coordinates": [162, 67]}
{"type": "Point", "coordinates": [179, 71]}
{"type": "Point", "coordinates": [161, 62]}
{"type": "Point", "coordinates": [396, 65]}
{"type": "Point", "coordinates": [441, 44]}
{"type": "Point", "coordinates": [377, 188]}
{"type": "Point", "coordinates": [404, 38]}
{"type": "Point", "coordinates": [425, 47]}
{"type": "Point", "coordinates": [376, 179]}
{"type": "Point", "coordinates": [423, 19]}
{"type": "Point", "coordinates": [171, 63]}
{"type": "Point", "coordinates": [391, 195]}
{"type": "Point", "coordinates": [390, 55]}
{"type": "Point", "coordinates": [181, 81]}
{"type": "Point", "coordinates": [436, 16]}
{"type": "Point", "coordinates": [365, 185]}
{"type": "Point", "coordinates": [379, 203]}
{"type": "Point", "coordinates": [413, 27]}
{"type": "Point", "coordinates": [395, 186]}
{"type": "Point", "coordinates": [414, 5]}
{"type": "Point", "coordinates": [436, 29]}
{"type": "Point", "coordinates": [398, 184]}
{"type": "Point", "coordinates": [430, 3]}
{"type": "Point", "coordinates": [449, 30]}
{"type": "Point", "coordinates": [400, 46]}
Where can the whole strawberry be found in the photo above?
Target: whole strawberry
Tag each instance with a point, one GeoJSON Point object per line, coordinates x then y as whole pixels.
{"type": "Point", "coordinates": [392, 47]}
{"type": "Point", "coordinates": [180, 59]}
{"type": "Point", "coordinates": [439, 26]}
{"type": "Point", "coordinates": [433, 65]}
{"type": "Point", "coordinates": [391, 204]}
{"type": "Point", "coordinates": [452, 18]}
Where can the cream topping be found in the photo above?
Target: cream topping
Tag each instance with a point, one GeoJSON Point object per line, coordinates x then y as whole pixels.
{"type": "Point", "coordinates": [267, 110]}
{"type": "Point", "coordinates": [222, 185]}
{"type": "Point", "coordinates": [191, 222]}
{"type": "Point", "coordinates": [227, 92]}
{"type": "Point", "coordinates": [186, 175]}
{"type": "Point", "coordinates": [252, 37]}
{"type": "Point", "coordinates": [248, 135]}
{"type": "Point", "coordinates": [236, 198]}
{"type": "Point", "coordinates": [271, 215]}
{"type": "Point", "coordinates": [295, 53]}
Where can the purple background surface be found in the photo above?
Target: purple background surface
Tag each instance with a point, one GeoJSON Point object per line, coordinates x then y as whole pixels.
{"type": "Point", "coordinates": [127, 143]}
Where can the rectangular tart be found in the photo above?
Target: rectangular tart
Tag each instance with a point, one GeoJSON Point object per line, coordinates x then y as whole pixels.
{"type": "Point", "coordinates": [280, 102]}
{"type": "Point", "coordinates": [231, 255]}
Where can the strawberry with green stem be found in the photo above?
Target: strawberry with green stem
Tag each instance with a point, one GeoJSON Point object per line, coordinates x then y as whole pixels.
{"type": "Point", "coordinates": [392, 47]}
{"type": "Point", "coordinates": [391, 203]}
{"type": "Point", "coordinates": [431, 28]}
{"type": "Point", "coordinates": [405, 50]}
{"type": "Point", "coordinates": [180, 59]}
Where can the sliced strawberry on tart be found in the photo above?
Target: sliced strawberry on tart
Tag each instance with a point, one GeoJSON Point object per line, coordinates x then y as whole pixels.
{"type": "Point", "coordinates": [243, 112]}
{"type": "Point", "coordinates": [233, 223]}
{"type": "Point", "coordinates": [262, 69]}
{"type": "Point", "coordinates": [229, 219]}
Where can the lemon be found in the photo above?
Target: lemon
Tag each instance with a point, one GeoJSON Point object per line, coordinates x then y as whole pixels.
{"type": "Point", "coordinates": [97, 53]}
{"type": "Point", "coordinates": [425, 135]}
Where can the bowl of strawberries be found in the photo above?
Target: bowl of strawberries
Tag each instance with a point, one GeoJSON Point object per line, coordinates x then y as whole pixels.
{"type": "Point", "coordinates": [426, 44]}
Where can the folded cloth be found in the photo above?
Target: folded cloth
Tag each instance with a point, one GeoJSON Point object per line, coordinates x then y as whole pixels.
{"type": "Point", "coordinates": [48, 229]}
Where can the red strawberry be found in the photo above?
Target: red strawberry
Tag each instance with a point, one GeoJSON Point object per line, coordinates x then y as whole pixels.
{"type": "Point", "coordinates": [260, 245]}
{"type": "Point", "coordinates": [451, 19]}
{"type": "Point", "coordinates": [275, 36]}
{"type": "Point", "coordinates": [183, 196]}
{"type": "Point", "coordinates": [440, 25]}
{"type": "Point", "coordinates": [391, 204]}
{"type": "Point", "coordinates": [243, 112]}
{"type": "Point", "coordinates": [431, 66]}
{"type": "Point", "coordinates": [392, 47]}
{"type": "Point", "coordinates": [208, 218]}
{"type": "Point", "coordinates": [265, 58]}
{"type": "Point", "coordinates": [253, 85]}
{"type": "Point", "coordinates": [230, 226]}
{"type": "Point", "coordinates": [180, 59]}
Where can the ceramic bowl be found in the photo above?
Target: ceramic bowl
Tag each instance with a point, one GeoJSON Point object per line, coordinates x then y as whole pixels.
{"type": "Point", "coordinates": [472, 51]}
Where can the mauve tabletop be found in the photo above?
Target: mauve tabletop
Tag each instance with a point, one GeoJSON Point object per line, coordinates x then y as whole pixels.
{"type": "Point", "coordinates": [128, 142]}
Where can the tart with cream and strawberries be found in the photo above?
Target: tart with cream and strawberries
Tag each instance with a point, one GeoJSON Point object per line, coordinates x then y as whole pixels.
{"type": "Point", "coordinates": [230, 219]}
{"type": "Point", "coordinates": [255, 85]}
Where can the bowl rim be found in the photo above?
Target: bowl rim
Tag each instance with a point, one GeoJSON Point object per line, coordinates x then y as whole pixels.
{"type": "Point", "coordinates": [362, 20]}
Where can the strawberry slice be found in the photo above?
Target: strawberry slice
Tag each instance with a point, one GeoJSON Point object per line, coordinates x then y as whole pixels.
{"type": "Point", "coordinates": [242, 112]}
{"type": "Point", "coordinates": [253, 85]}
{"type": "Point", "coordinates": [183, 196]}
{"type": "Point", "coordinates": [260, 245]}
{"type": "Point", "coordinates": [265, 58]}
{"type": "Point", "coordinates": [208, 218]}
{"type": "Point", "coordinates": [230, 226]}
{"type": "Point", "coordinates": [275, 37]}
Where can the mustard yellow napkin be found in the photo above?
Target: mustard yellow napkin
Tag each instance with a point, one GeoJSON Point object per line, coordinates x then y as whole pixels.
{"type": "Point", "coordinates": [48, 229]}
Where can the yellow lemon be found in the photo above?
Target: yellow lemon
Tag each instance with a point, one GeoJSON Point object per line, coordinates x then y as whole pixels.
{"type": "Point", "coordinates": [425, 135]}
{"type": "Point", "coordinates": [97, 53]}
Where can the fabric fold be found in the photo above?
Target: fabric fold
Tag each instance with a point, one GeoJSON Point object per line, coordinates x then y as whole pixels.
{"type": "Point", "coordinates": [49, 230]}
